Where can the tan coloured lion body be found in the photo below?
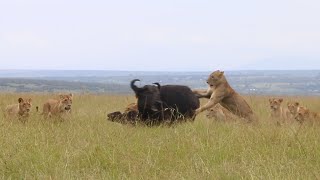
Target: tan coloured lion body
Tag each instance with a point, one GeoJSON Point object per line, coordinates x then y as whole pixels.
{"type": "Point", "coordinates": [221, 92]}
{"type": "Point", "coordinates": [131, 107]}
{"type": "Point", "coordinates": [276, 110]}
{"type": "Point", "coordinates": [304, 114]}
{"type": "Point", "coordinates": [220, 113]}
{"type": "Point", "coordinates": [57, 107]}
{"type": "Point", "coordinates": [292, 109]}
{"type": "Point", "coordinates": [20, 110]}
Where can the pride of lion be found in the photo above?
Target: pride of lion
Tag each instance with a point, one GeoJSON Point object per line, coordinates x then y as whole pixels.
{"type": "Point", "coordinates": [224, 104]}
{"type": "Point", "coordinates": [292, 112]}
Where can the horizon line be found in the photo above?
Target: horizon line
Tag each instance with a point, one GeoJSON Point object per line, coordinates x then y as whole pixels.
{"type": "Point", "coordinates": [230, 70]}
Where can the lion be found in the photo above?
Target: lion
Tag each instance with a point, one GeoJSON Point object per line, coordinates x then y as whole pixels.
{"type": "Point", "coordinates": [131, 107]}
{"type": "Point", "coordinates": [219, 91]}
{"type": "Point", "coordinates": [292, 109]}
{"type": "Point", "coordinates": [57, 107]}
{"type": "Point", "coordinates": [220, 113]}
{"type": "Point", "coordinates": [277, 111]}
{"type": "Point", "coordinates": [304, 114]}
{"type": "Point", "coordinates": [20, 110]}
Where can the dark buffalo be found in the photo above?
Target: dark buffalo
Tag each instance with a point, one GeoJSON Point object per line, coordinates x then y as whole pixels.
{"type": "Point", "coordinates": [128, 117]}
{"type": "Point", "coordinates": [157, 103]}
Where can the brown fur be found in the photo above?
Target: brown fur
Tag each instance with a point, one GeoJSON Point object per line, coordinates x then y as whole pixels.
{"type": "Point", "coordinates": [131, 107]}
{"type": "Point", "coordinates": [292, 109]}
{"type": "Point", "coordinates": [220, 113]}
{"type": "Point", "coordinates": [57, 107]}
{"type": "Point", "coordinates": [20, 110]}
{"type": "Point", "coordinates": [304, 114]}
{"type": "Point", "coordinates": [277, 111]}
{"type": "Point", "coordinates": [221, 92]}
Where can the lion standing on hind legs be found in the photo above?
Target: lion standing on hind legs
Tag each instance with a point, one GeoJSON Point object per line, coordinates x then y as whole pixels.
{"type": "Point", "coordinates": [220, 92]}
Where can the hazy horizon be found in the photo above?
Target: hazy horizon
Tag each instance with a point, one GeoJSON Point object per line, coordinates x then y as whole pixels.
{"type": "Point", "coordinates": [160, 35]}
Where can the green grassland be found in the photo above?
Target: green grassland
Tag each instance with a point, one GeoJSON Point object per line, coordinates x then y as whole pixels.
{"type": "Point", "coordinates": [87, 146]}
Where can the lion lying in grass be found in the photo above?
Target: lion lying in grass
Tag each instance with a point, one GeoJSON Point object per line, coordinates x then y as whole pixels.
{"type": "Point", "coordinates": [220, 113]}
{"type": "Point", "coordinates": [220, 92]}
{"type": "Point", "coordinates": [305, 115]}
{"type": "Point", "coordinates": [20, 110]}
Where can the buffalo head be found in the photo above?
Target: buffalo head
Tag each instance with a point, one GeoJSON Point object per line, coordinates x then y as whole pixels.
{"type": "Point", "coordinates": [149, 102]}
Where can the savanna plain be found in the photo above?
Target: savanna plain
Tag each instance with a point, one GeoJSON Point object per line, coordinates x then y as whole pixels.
{"type": "Point", "coordinates": [88, 146]}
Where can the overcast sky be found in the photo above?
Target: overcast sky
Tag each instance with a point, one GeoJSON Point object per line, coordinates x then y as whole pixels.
{"type": "Point", "coordinates": [175, 35]}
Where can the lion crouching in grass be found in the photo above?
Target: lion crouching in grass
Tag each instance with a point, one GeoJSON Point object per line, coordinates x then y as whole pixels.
{"type": "Point", "coordinates": [220, 92]}
{"type": "Point", "coordinates": [20, 110]}
{"type": "Point", "coordinates": [220, 113]}
{"type": "Point", "coordinates": [305, 115]}
{"type": "Point", "coordinates": [57, 107]}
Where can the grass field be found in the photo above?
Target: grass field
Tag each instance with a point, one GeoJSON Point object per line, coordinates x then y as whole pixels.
{"type": "Point", "coordinates": [89, 147]}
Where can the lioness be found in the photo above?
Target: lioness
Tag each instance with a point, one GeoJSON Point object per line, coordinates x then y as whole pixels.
{"type": "Point", "coordinates": [131, 107]}
{"type": "Point", "coordinates": [57, 107]}
{"type": "Point", "coordinates": [293, 109]}
{"type": "Point", "coordinates": [220, 91]}
{"type": "Point", "coordinates": [304, 114]}
{"type": "Point", "coordinates": [20, 110]}
{"type": "Point", "coordinates": [276, 110]}
{"type": "Point", "coordinates": [220, 113]}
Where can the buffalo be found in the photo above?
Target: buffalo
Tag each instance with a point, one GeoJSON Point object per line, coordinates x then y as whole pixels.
{"type": "Point", "coordinates": [158, 103]}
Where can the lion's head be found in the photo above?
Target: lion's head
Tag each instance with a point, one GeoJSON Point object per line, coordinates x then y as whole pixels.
{"type": "Point", "coordinates": [66, 101]}
{"type": "Point", "coordinates": [275, 103]}
{"type": "Point", "coordinates": [302, 114]}
{"type": "Point", "coordinates": [293, 107]}
{"type": "Point", "coordinates": [216, 78]}
{"type": "Point", "coordinates": [24, 106]}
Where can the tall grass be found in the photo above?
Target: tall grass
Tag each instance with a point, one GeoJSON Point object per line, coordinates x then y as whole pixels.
{"type": "Point", "coordinates": [90, 147]}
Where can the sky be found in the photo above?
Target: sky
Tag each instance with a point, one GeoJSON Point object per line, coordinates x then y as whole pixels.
{"type": "Point", "coordinates": [166, 35]}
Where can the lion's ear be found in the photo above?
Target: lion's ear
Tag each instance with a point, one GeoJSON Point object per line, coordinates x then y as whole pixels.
{"type": "Point", "coordinates": [307, 111]}
{"type": "Point", "coordinates": [61, 96]}
{"type": "Point", "coordinates": [221, 73]}
{"type": "Point", "coordinates": [270, 100]}
{"type": "Point", "coordinates": [29, 100]}
{"type": "Point", "coordinates": [20, 100]}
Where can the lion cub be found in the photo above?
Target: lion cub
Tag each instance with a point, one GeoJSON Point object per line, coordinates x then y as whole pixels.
{"type": "Point", "coordinates": [219, 91]}
{"type": "Point", "coordinates": [220, 113]}
{"type": "Point", "coordinates": [292, 109]}
{"type": "Point", "coordinates": [277, 112]}
{"type": "Point", "coordinates": [57, 107]}
{"type": "Point", "coordinates": [131, 107]}
{"type": "Point", "coordinates": [20, 110]}
{"type": "Point", "coordinates": [304, 114]}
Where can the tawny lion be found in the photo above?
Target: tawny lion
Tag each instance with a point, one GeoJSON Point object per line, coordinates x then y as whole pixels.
{"type": "Point", "coordinates": [304, 114]}
{"type": "Point", "coordinates": [277, 111]}
{"type": "Point", "coordinates": [57, 107]}
{"type": "Point", "coordinates": [220, 113]}
{"type": "Point", "coordinates": [293, 109]}
{"type": "Point", "coordinates": [131, 107]}
{"type": "Point", "coordinates": [219, 91]}
{"type": "Point", "coordinates": [20, 110]}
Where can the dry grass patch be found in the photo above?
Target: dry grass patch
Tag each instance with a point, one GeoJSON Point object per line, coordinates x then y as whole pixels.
{"type": "Point", "coordinates": [90, 147]}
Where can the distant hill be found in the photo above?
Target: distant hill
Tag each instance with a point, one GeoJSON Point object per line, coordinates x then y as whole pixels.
{"type": "Point", "coordinates": [246, 82]}
{"type": "Point", "coordinates": [37, 85]}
